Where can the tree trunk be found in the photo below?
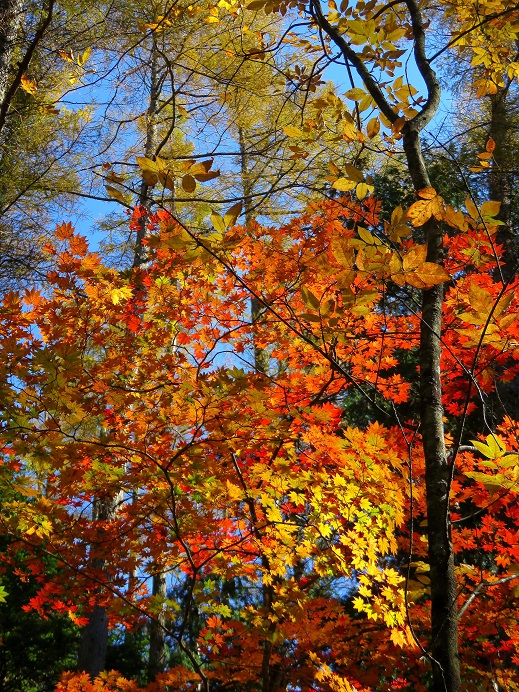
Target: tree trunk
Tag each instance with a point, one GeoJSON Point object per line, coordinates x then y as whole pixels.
{"type": "Point", "coordinates": [94, 642]}
{"type": "Point", "coordinates": [158, 658]}
{"type": "Point", "coordinates": [444, 618]}
{"type": "Point", "coordinates": [94, 635]}
{"type": "Point", "coordinates": [256, 308]}
{"type": "Point", "coordinates": [11, 15]}
{"type": "Point", "coordinates": [145, 200]}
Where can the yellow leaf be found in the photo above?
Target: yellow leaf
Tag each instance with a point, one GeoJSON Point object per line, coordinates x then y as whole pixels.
{"type": "Point", "coordinates": [471, 208]}
{"type": "Point", "coordinates": [146, 164]}
{"type": "Point", "coordinates": [355, 94]}
{"type": "Point", "coordinates": [454, 218]}
{"type": "Point", "coordinates": [342, 251]}
{"type": "Point", "coordinates": [396, 216]}
{"type": "Point", "coordinates": [115, 193]}
{"type": "Point", "coordinates": [367, 237]}
{"type": "Point", "coordinates": [291, 131]}
{"type": "Point", "coordinates": [490, 209]}
{"type": "Point", "coordinates": [398, 637]}
{"type": "Point", "coordinates": [420, 212]}
{"type": "Point", "coordinates": [81, 59]}
{"type": "Point", "coordinates": [218, 222]}
{"type": "Point", "coordinates": [427, 193]}
{"type": "Point", "coordinates": [349, 132]}
{"type": "Point", "coordinates": [344, 184]}
{"type": "Point", "coordinates": [415, 257]}
{"type": "Point", "coordinates": [28, 85]}
{"type": "Point", "coordinates": [430, 274]}
{"type": "Point", "coordinates": [333, 169]}
{"type": "Point", "coordinates": [373, 127]}
{"type": "Point", "coordinates": [362, 190]}
{"type": "Point", "coordinates": [231, 215]}
{"type": "Point", "coordinates": [119, 294]}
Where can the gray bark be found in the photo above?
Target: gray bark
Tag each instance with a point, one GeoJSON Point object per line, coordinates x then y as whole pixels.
{"type": "Point", "coordinates": [158, 657]}
{"type": "Point", "coordinates": [11, 15]}
{"type": "Point", "coordinates": [256, 307]}
{"type": "Point", "coordinates": [149, 152]}
{"type": "Point", "coordinates": [94, 642]}
{"type": "Point", "coordinates": [444, 618]}
{"type": "Point", "coordinates": [94, 636]}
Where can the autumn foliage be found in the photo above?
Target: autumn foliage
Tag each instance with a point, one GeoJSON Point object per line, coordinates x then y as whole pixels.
{"type": "Point", "coordinates": [141, 385]}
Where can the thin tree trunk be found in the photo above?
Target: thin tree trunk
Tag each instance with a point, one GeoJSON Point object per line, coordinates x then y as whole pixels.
{"type": "Point", "coordinates": [256, 308]}
{"type": "Point", "coordinates": [444, 617]}
{"type": "Point", "coordinates": [94, 635]}
{"type": "Point", "coordinates": [157, 657]}
{"type": "Point", "coordinates": [150, 145]}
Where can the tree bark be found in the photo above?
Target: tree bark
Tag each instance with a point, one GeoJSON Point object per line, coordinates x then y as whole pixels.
{"type": "Point", "coordinates": [94, 636]}
{"type": "Point", "coordinates": [444, 618]}
{"type": "Point", "coordinates": [158, 658]}
{"type": "Point", "coordinates": [11, 15]}
{"type": "Point", "coordinates": [256, 308]}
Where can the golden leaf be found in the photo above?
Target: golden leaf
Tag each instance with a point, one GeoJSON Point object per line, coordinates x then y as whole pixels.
{"type": "Point", "coordinates": [373, 127]}
{"type": "Point", "coordinates": [415, 257]}
{"type": "Point", "coordinates": [218, 222]}
{"type": "Point", "coordinates": [292, 131]}
{"type": "Point", "coordinates": [430, 274]}
{"type": "Point", "coordinates": [28, 85]}
{"type": "Point", "coordinates": [490, 209]}
{"type": "Point", "coordinates": [115, 193]}
{"type": "Point", "coordinates": [420, 212]}
{"type": "Point", "coordinates": [188, 183]}
{"type": "Point", "coordinates": [344, 184]}
{"type": "Point", "coordinates": [471, 208]}
{"type": "Point", "coordinates": [362, 190]}
{"type": "Point", "coordinates": [427, 193]}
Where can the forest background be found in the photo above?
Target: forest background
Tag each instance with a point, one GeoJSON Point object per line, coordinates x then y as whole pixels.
{"type": "Point", "coordinates": [260, 424]}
